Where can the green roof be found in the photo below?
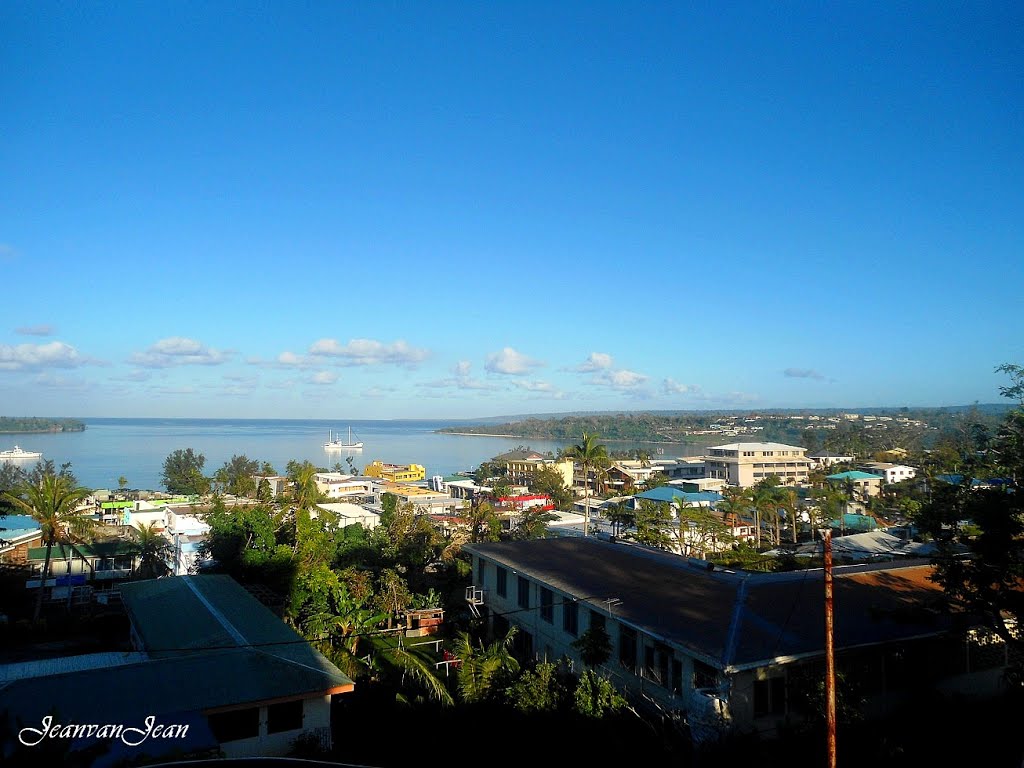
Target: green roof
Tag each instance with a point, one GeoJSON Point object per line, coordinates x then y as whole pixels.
{"type": "Point", "coordinates": [202, 612]}
{"type": "Point", "coordinates": [211, 646]}
{"type": "Point", "coordinates": [117, 504]}
{"type": "Point", "coordinates": [96, 549]}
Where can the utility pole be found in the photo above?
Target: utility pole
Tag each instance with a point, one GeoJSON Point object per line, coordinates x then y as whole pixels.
{"type": "Point", "coordinates": [830, 662]}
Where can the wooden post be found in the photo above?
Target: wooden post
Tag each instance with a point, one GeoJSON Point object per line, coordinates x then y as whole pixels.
{"type": "Point", "coordinates": [830, 662]}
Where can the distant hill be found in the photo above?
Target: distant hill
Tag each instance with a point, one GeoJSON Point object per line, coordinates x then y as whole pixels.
{"type": "Point", "coordinates": [813, 428]}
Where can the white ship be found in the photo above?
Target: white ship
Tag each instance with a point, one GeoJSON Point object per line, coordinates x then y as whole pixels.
{"type": "Point", "coordinates": [19, 453]}
{"type": "Point", "coordinates": [336, 443]}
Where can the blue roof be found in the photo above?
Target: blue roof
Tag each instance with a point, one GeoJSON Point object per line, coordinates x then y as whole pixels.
{"type": "Point", "coordinates": [14, 526]}
{"type": "Point", "coordinates": [854, 522]}
{"type": "Point", "coordinates": [854, 476]}
{"type": "Point", "coordinates": [666, 493]}
{"type": "Point", "coordinates": [957, 479]}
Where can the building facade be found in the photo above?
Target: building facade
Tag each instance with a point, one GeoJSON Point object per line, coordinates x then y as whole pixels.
{"type": "Point", "coordinates": [729, 650]}
{"type": "Point", "coordinates": [744, 464]}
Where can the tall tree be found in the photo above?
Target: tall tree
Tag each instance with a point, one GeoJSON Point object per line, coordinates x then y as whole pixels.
{"type": "Point", "coordinates": [152, 548]}
{"type": "Point", "coordinates": [183, 473]}
{"type": "Point", "coordinates": [481, 667]}
{"type": "Point", "coordinates": [987, 584]}
{"type": "Point", "coordinates": [548, 480]}
{"type": "Point", "coordinates": [589, 454]}
{"type": "Point", "coordinates": [238, 476]}
{"type": "Point", "coordinates": [54, 503]}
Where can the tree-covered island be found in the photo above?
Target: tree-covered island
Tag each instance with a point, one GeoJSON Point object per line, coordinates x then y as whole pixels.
{"type": "Point", "coordinates": [28, 424]}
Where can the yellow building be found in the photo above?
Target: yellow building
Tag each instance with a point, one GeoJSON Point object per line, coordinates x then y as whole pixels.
{"type": "Point", "coordinates": [395, 473]}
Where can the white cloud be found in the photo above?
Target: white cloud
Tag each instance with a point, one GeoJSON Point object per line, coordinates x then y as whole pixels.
{"type": "Point", "coordinates": [621, 379]}
{"type": "Point", "coordinates": [673, 387]}
{"type": "Point", "coordinates": [511, 362]}
{"type": "Point", "coordinates": [601, 367]}
{"type": "Point", "coordinates": [55, 354]}
{"type": "Point", "coordinates": [461, 378]}
{"type": "Point", "coordinates": [35, 330]}
{"type": "Point", "coordinates": [369, 352]}
{"type": "Point", "coordinates": [177, 350]}
{"type": "Point", "coordinates": [323, 377]}
{"type": "Point", "coordinates": [597, 361]}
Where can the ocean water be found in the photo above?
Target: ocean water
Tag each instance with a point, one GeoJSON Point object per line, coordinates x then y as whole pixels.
{"type": "Point", "coordinates": [136, 448]}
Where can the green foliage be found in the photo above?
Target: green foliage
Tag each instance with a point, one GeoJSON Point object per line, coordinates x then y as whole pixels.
{"type": "Point", "coordinates": [21, 424]}
{"type": "Point", "coordinates": [652, 521]}
{"type": "Point", "coordinates": [596, 697]}
{"type": "Point", "coordinates": [484, 524]}
{"type": "Point", "coordinates": [152, 548]}
{"type": "Point", "coordinates": [243, 542]}
{"type": "Point", "coordinates": [987, 584]}
{"type": "Point", "coordinates": [531, 523]}
{"type": "Point", "coordinates": [237, 476]}
{"type": "Point", "coordinates": [594, 645]}
{"type": "Point", "coordinates": [392, 595]}
{"type": "Point", "coordinates": [1014, 390]}
{"type": "Point", "coordinates": [483, 667]}
{"type": "Point", "coordinates": [183, 473]}
{"type": "Point", "coordinates": [541, 689]}
{"type": "Point", "coordinates": [53, 502]}
{"type": "Point", "coordinates": [548, 480]}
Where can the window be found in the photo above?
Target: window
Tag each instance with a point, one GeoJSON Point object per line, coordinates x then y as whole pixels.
{"type": "Point", "coordinates": [704, 675]}
{"type": "Point", "coordinates": [627, 648]}
{"type": "Point", "coordinates": [481, 569]}
{"type": "Point", "coordinates": [571, 617]}
{"type": "Point", "coordinates": [502, 582]}
{"type": "Point", "coordinates": [677, 676]}
{"type": "Point", "coordinates": [650, 670]}
{"type": "Point", "coordinates": [547, 612]}
{"type": "Point", "coordinates": [286, 716]}
{"type": "Point", "coordinates": [597, 620]}
{"type": "Point", "coordinates": [235, 725]}
{"type": "Point", "coordinates": [523, 593]}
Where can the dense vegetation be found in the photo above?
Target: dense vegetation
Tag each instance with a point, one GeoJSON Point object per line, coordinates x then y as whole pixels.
{"type": "Point", "coordinates": [19, 424]}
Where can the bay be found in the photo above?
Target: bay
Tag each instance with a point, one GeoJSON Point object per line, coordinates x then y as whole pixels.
{"type": "Point", "coordinates": [136, 448]}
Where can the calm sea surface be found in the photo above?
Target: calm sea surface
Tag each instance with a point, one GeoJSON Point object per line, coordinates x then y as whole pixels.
{"type": "Point", "coordinates": [136, 448]}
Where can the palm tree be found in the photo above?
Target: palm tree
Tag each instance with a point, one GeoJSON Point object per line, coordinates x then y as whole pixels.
{"type": "Point", "coordinates": [152, 549]}
{"type": "Point", "coordinates": [479, 666]}
{"type": "Point", "coordinates": [589, 454]}
{"type": "Point", "coordinates": [53, 503]}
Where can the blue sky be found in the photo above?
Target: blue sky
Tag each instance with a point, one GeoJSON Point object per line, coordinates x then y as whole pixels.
{"type": "Point", "coordinates": [377, 210]}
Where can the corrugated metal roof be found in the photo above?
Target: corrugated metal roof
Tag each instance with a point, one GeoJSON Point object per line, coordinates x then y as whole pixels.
{"type": "Point", "coordinates": [731, 619]}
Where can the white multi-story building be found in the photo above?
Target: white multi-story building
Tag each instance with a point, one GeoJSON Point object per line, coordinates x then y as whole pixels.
{"type": "Point", "coordinates": [744, 464]}
{"type": "Point", "coordinates": [890, 473]}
